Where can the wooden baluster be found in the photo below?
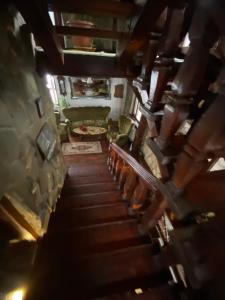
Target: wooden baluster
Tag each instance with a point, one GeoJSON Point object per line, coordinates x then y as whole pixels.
{"type": "Point", "coordinates": [143, 80]}
{"type": "Point", "coordinates": [167, 50]}
{"type": "Point", "coordinates": [173, 117]}
{"type": "Point", "coordinates": [123, 175]}
{"type": "Point", "coordinates": [164, 66]}
{"type": "Point", "coordinates": [143, 83]}
{"type": "Point", "coordinates": [154, 212]}
{"type": "Point", "coordinates": [203, 35]}
{"type": "Point", "coordinates": [139, 195]}
{"type": "Point", "coordinates": [163, 75]}
{"type": "Point", "coordinates": [118, 168]}
{"type": "Point", "coordinates": [129, 185]}
{"type": "Point", "coordinates": [189, 77]}
{"type": "Point", "coordinates": [139, 135]}
{"type": "Point", "coordinates": [113, 162]}
{"type": "Point", "coordinates": [206, 140]}
{"type": "Point", "coordinates": [109, 159]}
{"type": "Point", "coordinates": [150, 55]}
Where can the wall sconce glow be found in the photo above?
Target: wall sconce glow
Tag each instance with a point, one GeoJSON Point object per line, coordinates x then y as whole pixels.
{"type": "Point", "coordinates": [138, 291]}
{"type": "Point", "coordinates": [16, 295]}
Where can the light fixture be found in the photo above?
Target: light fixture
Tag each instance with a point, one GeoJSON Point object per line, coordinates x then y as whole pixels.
{"type": "Point", "coordinates": [16, 295]}
{"type": "Point", "coordinates": [138, 291]}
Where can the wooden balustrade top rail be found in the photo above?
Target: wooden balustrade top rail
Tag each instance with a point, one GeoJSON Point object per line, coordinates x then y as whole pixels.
{"type": "Point", "coordinates": [150, 180]}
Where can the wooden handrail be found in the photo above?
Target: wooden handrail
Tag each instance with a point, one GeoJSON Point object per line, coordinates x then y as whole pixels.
{"type": "Point", "coordinates": [150, 180]}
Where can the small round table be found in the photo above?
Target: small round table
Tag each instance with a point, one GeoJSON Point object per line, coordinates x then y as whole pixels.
{"type": "Point", "coordinates": [90, 130]}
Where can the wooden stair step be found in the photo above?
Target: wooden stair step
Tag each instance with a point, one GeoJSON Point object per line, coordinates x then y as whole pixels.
{"type": "Point", "coordinates": [73, 161]}
{"type": "Point", "coordinates": [71, 181]}
{"type": "Point", "coordinates": [94, 238]}
{"type": "Point", "coordinates": [88, 170]}
{"type": "Point", "coordinates": [90, 188]}
{"type": "Point", "coordinates": [91, 215]}
{"type": "Point", "coordinates": [89, 199]}
{"type": "Point", "coordinates": [160, 293]}
{"type": "Point", "coordinates": [100, 274]}
{"type": "Point", "coordinates": [121, 268]}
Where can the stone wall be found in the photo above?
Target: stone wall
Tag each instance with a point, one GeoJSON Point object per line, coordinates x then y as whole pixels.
{"type": "Point", "coordinates": [31, 183]}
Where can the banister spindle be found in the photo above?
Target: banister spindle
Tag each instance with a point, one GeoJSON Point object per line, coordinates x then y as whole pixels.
{"type": "Point", "coordinates": [173, 117]}
{"type": "Point", "coordinates": [111, 160]}
{"type": "Point", "coordinates": [164, 63]}
{"type": "Point", "coordinates": [189, 77]}
{"type": "Point", "coordinates": [114, 161]}
{"type": "Point", "coordinates": [118, 168]}
{"type": "Point", "coordinates": [130, 184]}
{"type": "Point", "coordinates": [205, 141]}
{"type": "Point", "coordinates": [123, 175]}
{"type": "Point", "coordinates": [154, 212]}
{"type": "Point", "coordinates": [109, 156]}
{"type": "Point", "coordinates": [139, 195]}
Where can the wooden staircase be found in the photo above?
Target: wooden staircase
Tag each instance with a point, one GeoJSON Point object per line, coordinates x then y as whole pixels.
{"type": "Point", "coordinates": [94, 248]}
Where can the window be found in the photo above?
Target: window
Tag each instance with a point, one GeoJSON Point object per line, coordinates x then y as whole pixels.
{"type": "Point", "coordinates": [135, 109]}
{"type": "Point", "coordinates": [52, 89]}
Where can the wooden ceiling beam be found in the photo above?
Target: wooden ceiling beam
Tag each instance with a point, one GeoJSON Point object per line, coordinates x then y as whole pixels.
{"type": "Point", "coordinates": [144, 26]}
{"type": "Point", "coordinates": [35, 13]}
{"type": "Point", "coordinates": [82, 65]}
{"type": "Point", "coordinates": [109, 8]}
{"type": "Point", "coordinates": [95, 33]}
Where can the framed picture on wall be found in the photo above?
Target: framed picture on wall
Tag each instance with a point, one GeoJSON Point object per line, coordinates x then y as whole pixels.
{"type": "Point", "coordinates": [46, 142]}
{"type": "Point", "coordinates": [90, 87]}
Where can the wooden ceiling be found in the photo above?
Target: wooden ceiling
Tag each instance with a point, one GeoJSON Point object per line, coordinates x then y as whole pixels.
{"type": "Point", "coordinates": [49, 37]}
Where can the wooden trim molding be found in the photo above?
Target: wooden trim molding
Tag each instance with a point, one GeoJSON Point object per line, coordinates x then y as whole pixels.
{"type": "Point", "coordinates": [11, 210]}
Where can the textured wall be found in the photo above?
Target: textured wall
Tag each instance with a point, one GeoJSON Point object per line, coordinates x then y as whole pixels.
{"type": "Point", "coordinates": [31, 183]}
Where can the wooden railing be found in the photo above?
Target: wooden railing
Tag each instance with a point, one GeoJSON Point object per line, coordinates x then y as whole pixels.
{"type": "Point", "coordinates": [135, 182]}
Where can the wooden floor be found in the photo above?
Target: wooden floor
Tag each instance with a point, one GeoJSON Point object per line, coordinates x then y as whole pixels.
{"type": "Point", "coordinates": [93, 248]}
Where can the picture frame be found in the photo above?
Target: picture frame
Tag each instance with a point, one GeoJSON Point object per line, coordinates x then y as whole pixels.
{"type": "Point", "coordinates": [88, 87]}
{"type": "Point", "coordinates": [46, 142]}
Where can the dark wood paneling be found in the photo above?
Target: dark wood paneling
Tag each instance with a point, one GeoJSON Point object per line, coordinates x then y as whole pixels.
{"type": "Point", "coordinates": [82, 65]}
{"type": "Point", "coordinates": [143, 27]}
{"type": "Point", "coordinates": [95, 7]}
{"type": "Point", "coordinates": [95, 33]}
{"type": "Point", "coordinates": [36, 15]}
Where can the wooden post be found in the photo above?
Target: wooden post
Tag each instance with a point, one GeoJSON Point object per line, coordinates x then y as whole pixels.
{"type": "Point", "coordinates": [123, 175]}
{"type": "Point", "coordinates": [189, 77]}
{"type": "Point", "coordinates": [139, 135]}
{"type": "Point", "coordinates": [130, 184]}
{"type": "Point", "coordinates": [118, 168]}
{"type": "Point", "coordinates": [167, 50]}
{"type": "Point", "coordinates": [139, 195]}
{"type": "Point", "coordinates": [206, 140]}
{"type": "Point", "coordinates": [113, 163]}
{"type": "Point", "coordinates": [174, 115]}
{"type": "Point", "coordinates": [154, 212]}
